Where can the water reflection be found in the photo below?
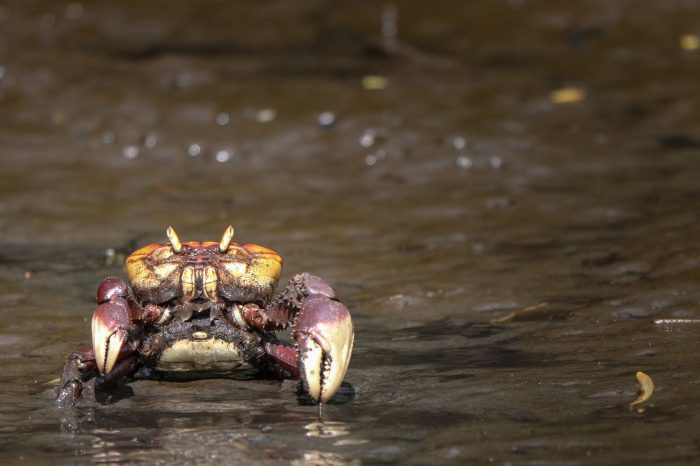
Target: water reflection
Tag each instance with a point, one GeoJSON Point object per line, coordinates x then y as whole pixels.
{"type": "Point", "coordinates": [326, 429]}
{"type": "Point", "coordinates": [322, 458]}
{"type": "Point", "coordinates": [104, 451]}
{"type": "Point", "coordinates": [330, 429]}
{"type": "Point", "coordinates": [73, 420]}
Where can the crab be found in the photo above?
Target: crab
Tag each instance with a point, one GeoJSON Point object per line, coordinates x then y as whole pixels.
{"type": "Point", "coordinates": [207, 309]}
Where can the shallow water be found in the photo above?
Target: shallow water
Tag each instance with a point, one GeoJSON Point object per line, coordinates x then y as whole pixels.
{"type": "Point", "coordinates": [462, 190]}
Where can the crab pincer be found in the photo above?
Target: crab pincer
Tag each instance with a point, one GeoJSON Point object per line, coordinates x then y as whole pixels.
{"type": "Point", "coordinates": [324, 335]}
{"type": "Point", "coordinates": [111, 324]}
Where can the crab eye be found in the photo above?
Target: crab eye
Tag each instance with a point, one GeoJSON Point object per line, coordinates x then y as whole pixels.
{"type": "Point", "coordinates": [174, 240]}
{"type": "Point", "coordinates": [226, 239]}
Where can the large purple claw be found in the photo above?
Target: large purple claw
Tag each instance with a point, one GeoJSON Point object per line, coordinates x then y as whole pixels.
{"type": "Point", "coordinates": [110, 325]}
{"type": "Point", "coordinates": [324, 335]}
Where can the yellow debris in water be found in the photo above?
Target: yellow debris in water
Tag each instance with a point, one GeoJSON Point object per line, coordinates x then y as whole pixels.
{"type": "Point", "coordinates": [373, 83]}
{"type": "Point", "coordinates": [567, 95]}
{"type": "Point", "coordinates": [646, 388]}
{"type": "Point", "coordinates": [519, 313]}
{"type": "Point", "coordinates": [690, 42]}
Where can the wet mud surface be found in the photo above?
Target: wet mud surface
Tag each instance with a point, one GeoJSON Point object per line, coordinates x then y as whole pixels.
{"type": "Point", "coordinates": [442, 165]}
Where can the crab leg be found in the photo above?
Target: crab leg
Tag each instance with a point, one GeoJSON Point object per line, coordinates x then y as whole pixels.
{"type": "Point", "coordinates": [123, 368]}
{"type": "Point", "coordinates": [80, 363]}
{"type": "Point", "coordinates": [285, 355]}
{"type": "Point", "coordinates": [111, 354]}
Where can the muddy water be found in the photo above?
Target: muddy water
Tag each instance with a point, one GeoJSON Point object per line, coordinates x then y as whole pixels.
{"type": "Point", "coordinates": [510, 154]}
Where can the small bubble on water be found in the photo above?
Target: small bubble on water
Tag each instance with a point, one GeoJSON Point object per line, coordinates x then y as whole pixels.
{"type": "Point", "coordinates": [390, 16]}
{"type": "Point", "coordinates": [265, 115]}
{"type": "Point", "coordinates": [74, 10]}
{"type": "Point", "coordinates": [2, 71]}
{"type": "Point", "coordinates": [183, 80]}
{"type": "Point", "coordinates": [223, 155]}
{"type": "Point", "coordinates": [496, 162]}
{"type": "Point", "coordinates": [108, 137]}
{"type": "Point", "coordinates": [111, 257]}
{"type": "Point", "coordinates": [370, 160]}
{"type": "Point", "coordinates": [459, 143]}
{"type": "Point", "coordinates": [368, 137]}
{"type": "Point", "coordinates": [130, 152]}
{"type": "Point", "coordinates": [223, 118]}
{"type": "Point", "coordinates": [194, 150]}
{"type": "Point", "coordinates": [326, 119]}
{"type": "Point", "coordinates": [464, 162]}
{"type": "Point", "coordinates": [150, 140]}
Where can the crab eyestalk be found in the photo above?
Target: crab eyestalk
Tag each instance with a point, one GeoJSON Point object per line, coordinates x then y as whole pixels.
{"type": "Point", "coordinates": [174, 240]}
{"type": "Point", "coordinates": [226, 239]}
{"type": "Point", "coordinates": [110, 324]}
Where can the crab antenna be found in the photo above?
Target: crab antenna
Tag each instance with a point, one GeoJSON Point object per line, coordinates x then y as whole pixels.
{"type": "Point", "coordinates": [174, 240]}
{"type": "Point", "coordinates": [226, 239]}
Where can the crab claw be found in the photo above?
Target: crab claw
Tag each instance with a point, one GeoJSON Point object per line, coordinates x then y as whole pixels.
{"type": "Point", "coordinates": [110, 324]}
{"type": "Point", "coordinates": [324, 335]}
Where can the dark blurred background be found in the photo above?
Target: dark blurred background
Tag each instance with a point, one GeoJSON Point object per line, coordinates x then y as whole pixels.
{"type": "Point", "coordinates": [443, 164]}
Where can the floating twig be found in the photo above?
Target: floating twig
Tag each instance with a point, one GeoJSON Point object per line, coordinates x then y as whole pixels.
{"type": "Point", "coordinates": [676, 321]}
{"type": "Point", "coordinates": [519, 313]}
